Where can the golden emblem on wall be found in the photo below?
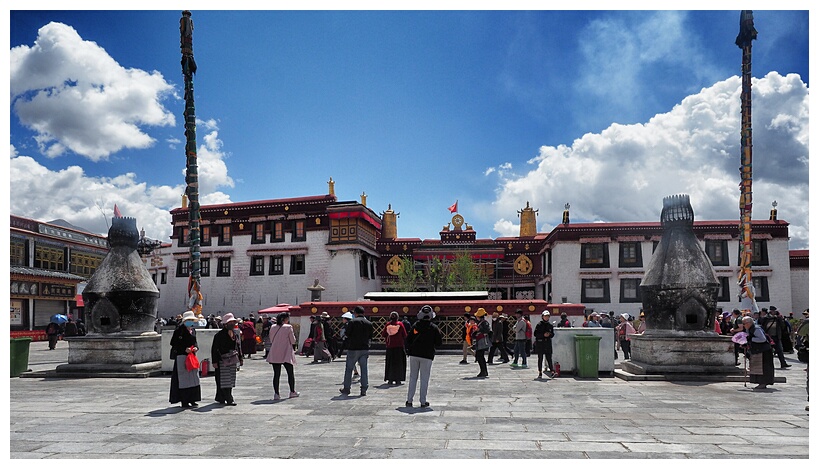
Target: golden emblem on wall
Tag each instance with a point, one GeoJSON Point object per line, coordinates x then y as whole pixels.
{"type": "Point", "coordinates": [523, 265]}
{"type": "Point", "coordinates": [394, 265]}
{"type": "Point", "coordinates": [457, 221]}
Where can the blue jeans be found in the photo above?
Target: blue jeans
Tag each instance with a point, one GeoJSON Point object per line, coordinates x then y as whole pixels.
{"type": "Point", "coordinates": [353, 357]}
{"type": "Point", "coordinates": [520, 350]}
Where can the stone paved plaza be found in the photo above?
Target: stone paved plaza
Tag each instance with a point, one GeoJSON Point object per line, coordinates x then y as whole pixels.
{"type": "Point", "coordinates": [510, 415]}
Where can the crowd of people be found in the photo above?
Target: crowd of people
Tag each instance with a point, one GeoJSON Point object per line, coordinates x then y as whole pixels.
{"type": "Point", "coordinates": [414, 343]}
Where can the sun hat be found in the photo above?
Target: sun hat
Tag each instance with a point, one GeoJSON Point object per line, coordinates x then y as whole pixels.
{"type": "Point", "coordinates": [426, 312]}
{"type": "Point", "coordinates": [347, 315]}
{"type": "Point", "coordinates": [545, 313]}
{"type": "Point", "coordinates": [480, 313]}
{"type": "Point", "coordinates": [228, 318]}
{"type": "Point", "coordinates": [324, 315]}
{"type": "Point", "coordinates": [188, 315]}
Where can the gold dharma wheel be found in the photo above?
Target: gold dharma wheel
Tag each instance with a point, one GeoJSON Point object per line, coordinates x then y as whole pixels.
{"type": "Point", "coordinates": [523, 265]}
{"type": "Point", "coordinates": [457, 221]}
{"type": "Point", "coordinates": [394, 265]}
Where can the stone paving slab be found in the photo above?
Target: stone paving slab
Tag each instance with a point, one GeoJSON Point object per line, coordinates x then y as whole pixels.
{"type": "Point", "coordinates": [510, 415]}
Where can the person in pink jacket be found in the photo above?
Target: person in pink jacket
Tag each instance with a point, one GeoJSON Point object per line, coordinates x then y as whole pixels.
{"type": "Point", "coordinates": [282, 340]}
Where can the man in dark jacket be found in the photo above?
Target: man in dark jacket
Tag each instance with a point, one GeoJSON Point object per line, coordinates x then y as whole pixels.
{"type": "Point", "coordinates": [422, 341]}
{"type": "Point", "coordinates": [774, 327]}
{"type": "Point", "coordinates": [498, 340]}
{"type": "Point", "coordinates": [359, 333]}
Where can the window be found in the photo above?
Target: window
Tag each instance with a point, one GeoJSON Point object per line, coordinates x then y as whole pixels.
{"type": "Point", "coordinates": [84, 264]}
{"type": "Point", "coordinates": [223, 269]}
{"type": "Point", "coordinates": [297, 264]}
{"type": "Point", "coordinates": [184, 236]}
{"type": "Point", "coordinates": [153, 277]}
{"type": "Point", "coordinates": [594, 255]}
{"type": "Point", "coordinates": [276, 265]}
{"type": "Point", "coordinates": [258, 233]}
{"type": "Point", "coordinates": [163, 278]}
{"type": "Point", "coordinates": [18, 253]}
{"type": "Point", "coordinates": [595, 291]}
{"type": "Point", "coordinates": [717, 251]}
{"type": "Point", "coordinates": [277, 233]}
{"type": "Point", "coordinates": [182, 267]}
{"type": "Point", "coordinates": [631, 255]}
{"type": "Point", "coordinates": [630, 290]}
{"type": "Point", "coordinates": [298, 231]}
{"type": "Point", "coordinates": [761, 287]}
{"type": "Point", "coordinates": [204, 267]}
{"type": "Point", "coordinates": [49, 258]}
{"type": "Point", "coordinates": [257, 265]}
{"type": "Point", "coordinates": [724, 293]}
{"type": "Point", "coordinates": [363, 266]}
{"type": "Point", "coordinates": [224, 235]}
{"type": "Point", "coordinates": [760, 252]}
{"type": "Point", "coordinates": [205, 236]}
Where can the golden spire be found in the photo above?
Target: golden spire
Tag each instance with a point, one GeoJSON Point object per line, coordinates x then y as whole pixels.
{"type": "Point", "coordinates": [528, 221]}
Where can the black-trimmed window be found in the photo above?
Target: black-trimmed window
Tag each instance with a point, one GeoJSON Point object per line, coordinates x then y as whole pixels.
{"type": "Point", "coordinates": [205, 236]}
{"type": "Point", "coordinates": [594, 255]}
{"type": "Point", "coordinates": [258, 234]}
{"type": "Point", "coordinates": [153, 277]}
{"type": "Point", "coordinates": [19, 252]}
{"type": "Point", "coordinates": [297, 264]}
{"type": "Point", "coordinates": [759, 254]}
{"type": "Point", "coordinates": [298, 231]}
{"type": "Point", "coordinates": [223, 267]}
{"type": "Point", "coordinates": [276, 265]}
{"type": "Point", "coordinates": [257, 265]}
{"type": "Point", "coordinates": [277, 232]}
{"type": "Point", "coordinates": [184, 236]}
{"type": "Point", "coordinates": [717, 251]}
{"type": "Point", "coordinates": [363, 265]}
{"type": "Point", "coordinates": [631, 254]}
{"type": "Point", "coordinates": [224, 235]}
{"type": "Point", "coordinates": [595, 290]}
{"type": "Point", "coordinates": [163, 278]}
{"type": "Point", "coordinates": [630, 290]}
{"type": "Point", "coordinates": [204, 266]}
{"type": "Point", "coordinates": [182, 267]}
{"type": "Point", "coordinates": [761, 288]}
{"type": "Point", "coordinates": [724, 293]}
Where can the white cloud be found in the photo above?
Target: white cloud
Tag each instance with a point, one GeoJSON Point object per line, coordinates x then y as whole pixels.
{"type": "Point", "coordinates": [212, 168]}
{"type": "Point", "coordinates": [76, 97]}
{"type": "Point", "coordinates": [623, 172]}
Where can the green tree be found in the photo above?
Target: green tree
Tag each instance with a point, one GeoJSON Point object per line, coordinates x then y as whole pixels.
{"type": "Point", "coordinates": [408, 278]}
{"type": "Point", "coordinates": [467, 275]}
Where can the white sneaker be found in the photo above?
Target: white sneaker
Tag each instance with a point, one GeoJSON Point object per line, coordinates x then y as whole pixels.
{"type": "Point", "coordinates": [294, 394]}
{"type": "Point", "coordinates": [276, 397]}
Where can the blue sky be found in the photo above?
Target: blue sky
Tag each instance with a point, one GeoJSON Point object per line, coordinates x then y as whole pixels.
{"type": "Point", "coordinates": [607, 110]}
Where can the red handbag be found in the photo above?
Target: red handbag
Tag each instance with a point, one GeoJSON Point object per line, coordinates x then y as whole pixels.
{"type": "Point", "coordinates": [191, 362]}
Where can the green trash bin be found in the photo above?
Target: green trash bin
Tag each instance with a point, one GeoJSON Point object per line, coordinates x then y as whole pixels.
{"type": "Point", "coordinates": [19, 355]}
{"type": "Point", "coordinates": [587, 355]}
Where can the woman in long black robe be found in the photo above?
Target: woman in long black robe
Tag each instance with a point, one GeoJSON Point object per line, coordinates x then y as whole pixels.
{"type": "Point", "coordinates": [185, 386]}
{"type": "Point", "coordinates": [761, 367]}
{"type": "Point", "coordinates": [226, 341]}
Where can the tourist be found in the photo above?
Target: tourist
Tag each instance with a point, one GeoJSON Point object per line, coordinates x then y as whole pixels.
{"type": "Point", "coordinates": [248, 341]}
{"type": "Point", "coordinates": [471, 325]}
{"type": "Point", "coordinates": [282, 353]}
{"type": "Point", "coordinates": [481, 339]}
{"type": "Point", "coordinates": [760, 355]}
{"type": "Point", "coordinates": [267, 323]}
{"type": "Point", "coordinates": [184, 382]}
{"type": "Point", "coordinates": [725, 324]}
{"type": "Point", "coordinates": [564, 321]}
{"type": "Point", "coordinates": [226, 353]}
{"type": "Point", "coordinates": [345, 319]}
{"type": "Point", "coordinates": [544, 331]}
{"type": "Point", "coordinates": [320, 351]}
{"type": "Point", "coordinates": [594, 320]}
{"type": "Point", "coordinates": [774, 327]}
{"type": "Point", "coordinates": [71, 328]}
{"type": "Point", "coordinates": [624, 329]}
{"type": "Point", "coordinates": [785, 336]}
{"type": "Point", "coordinates": [359, 333]}
{"type": "Point", "coordinates": [421, 343]}
{"type": "Point", "coordinates": [529, 332]}
{"type": "Point", "coordinates": [395, 362]}
{"type": "Point", "coordinates": [329, 335]}
{"type": "Point", "coordinates": [497, 338]}
{"type": "Point", "coordinates": [53, 333]}
{"type": "Point", "coordinates": [520, 343]}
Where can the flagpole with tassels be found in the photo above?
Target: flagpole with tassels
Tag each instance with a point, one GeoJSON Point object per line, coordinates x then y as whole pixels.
{"type": "Point", "coordinates": [191, 168]}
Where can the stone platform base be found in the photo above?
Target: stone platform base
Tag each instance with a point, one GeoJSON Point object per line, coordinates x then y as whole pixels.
{"type": "Point", "coordinates": [93, 370]}
{"type": "Point", "coordinates": [737, 377]}
{"type": "Point", "coordinates": [116, 355]}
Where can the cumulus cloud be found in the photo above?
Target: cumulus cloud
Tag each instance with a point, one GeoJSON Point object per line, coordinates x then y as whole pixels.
{"type": "Point", "coordinates": [76, 97]}
{"type": "Point", "coordinates": [44, 194]}
{"type": "Point", "coordinates": [623, 172]}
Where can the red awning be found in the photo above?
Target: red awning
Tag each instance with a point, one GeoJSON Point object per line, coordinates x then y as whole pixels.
{"type": "Point", "coordinates": [279, 308]}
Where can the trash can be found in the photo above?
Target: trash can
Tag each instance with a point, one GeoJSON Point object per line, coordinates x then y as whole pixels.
{"type": "Point", "coordinates": [587, 354]}
{"type": "Point", "coordinates": [19, 355]}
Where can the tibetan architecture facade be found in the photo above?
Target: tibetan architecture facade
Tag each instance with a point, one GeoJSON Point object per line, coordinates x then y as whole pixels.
{"type": "Point", "coordinates": [262, 253]}
{"type": "Point", "coordinates": [800, 277]}
{"type": "Point", "coordinates": [48, 262]}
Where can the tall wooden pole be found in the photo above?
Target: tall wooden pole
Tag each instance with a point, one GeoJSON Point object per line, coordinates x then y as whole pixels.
{"type": "Point", "coordinates": [192, 171]}
{"type": "Point", "coordinates": [747, 33]}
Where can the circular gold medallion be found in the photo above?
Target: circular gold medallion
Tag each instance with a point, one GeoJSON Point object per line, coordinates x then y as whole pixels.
{"type": "Point", "coordinates": [457, 221]}
{"type": "Point", "coordinates": [523, 265]}
{"type": "Point", "coordinates": [394, 265]}
{"type": "Point", "coordinates": [375, 309]}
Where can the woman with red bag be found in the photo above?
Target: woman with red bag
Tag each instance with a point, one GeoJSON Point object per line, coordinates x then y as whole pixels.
{"type": "Point", "coordinates": [226, 353]}
{"type": "Point", "coordinates": [395, 364]}
{"type": "Point", "coordinates": [184, 382]}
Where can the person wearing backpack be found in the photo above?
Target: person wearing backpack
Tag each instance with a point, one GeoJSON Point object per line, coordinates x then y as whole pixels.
{"type": "Point", "coordinates": [422, 342]}
{"type": "Point", "coordinates": [395, 363]}
{"type": "Point", "coordinates": [53, 333]}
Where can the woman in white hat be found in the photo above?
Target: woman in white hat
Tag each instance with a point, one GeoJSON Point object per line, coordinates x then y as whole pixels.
{"type": "Point", "coordinates": [184, 383]}
{"type": "Point", "coordinates": [226, 353]}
